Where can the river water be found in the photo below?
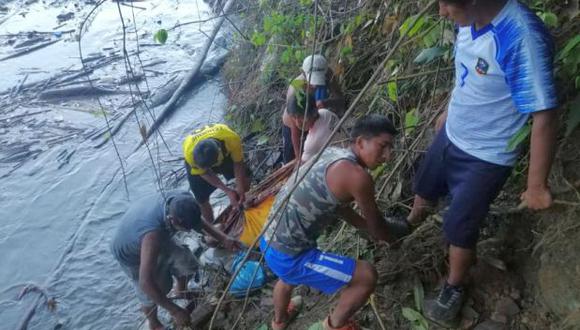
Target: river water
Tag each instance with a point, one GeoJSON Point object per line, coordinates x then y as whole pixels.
{"type": "Point", "coordinates": [56, 219]}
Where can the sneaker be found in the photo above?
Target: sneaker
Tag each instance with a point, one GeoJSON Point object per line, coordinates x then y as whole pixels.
{"type": "Point", "coordinates": [446, 307]}
{"type": "Point", "coordinates": [294, 308]}
{"type": "Point", "coordinates": [325, 325]}
{"type": "Point", "coordinates": [398, 226]}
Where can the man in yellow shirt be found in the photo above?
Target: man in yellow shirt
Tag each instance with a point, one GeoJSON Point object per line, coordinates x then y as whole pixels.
{"type": "Point", "coordinates": [212, 150]}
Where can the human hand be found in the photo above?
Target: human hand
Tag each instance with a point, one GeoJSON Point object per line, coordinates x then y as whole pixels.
{"type": "Point", "coordinates": [537, 198]}
{"type": "Point", "coordinates": [233, 196]}
{"type": "Point", "coordinates": [241, 198]}
{"type": "Point", "coordinates": [233, 244]}
{"type": "Point", "coordinates": [181, 317]}
{"type": "Point", "coordinates": [440, 122]}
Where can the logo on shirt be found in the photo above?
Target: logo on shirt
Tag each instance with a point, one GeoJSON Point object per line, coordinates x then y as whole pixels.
{"type": "Point", "coordinates": [482, 66]}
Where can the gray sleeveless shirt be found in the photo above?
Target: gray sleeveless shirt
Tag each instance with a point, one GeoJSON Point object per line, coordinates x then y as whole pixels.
{"type": "Point", "coordinates": [311, 207]}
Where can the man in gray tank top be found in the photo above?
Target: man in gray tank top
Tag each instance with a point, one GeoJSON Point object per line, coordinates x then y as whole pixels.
{"type": "Point", "coordinates": [338, 178]}
{"type": "Point", "coordinates": [144, 248]}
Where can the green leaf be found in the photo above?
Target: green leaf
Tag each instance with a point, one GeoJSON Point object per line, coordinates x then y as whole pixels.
{"type": "Point", "coordinates": [577, 83]}
{"type": "Point", "coordinates": [286, 56]}
{"type": "Point", "coordinates": [262, 327]}
{"type": "Point", "coordinates": [418, 294]}
{"type": "Point", "coordinates": [258, 39]}
{"type": "Point", "coordinates": [160, 36]}
{"type": "Point", "coordinates": [345, 51]}
{"type": "Point", "coordinates": [378, 171]}
{"type": "Point", "coordinates": [411, 29]}
{"type": "Point", "coordinates": [392, 91]}
{"type": "Point", "coordinates": [257, 126]}
{"type": "Point", "coordinates": [417, 320]}
{"type": "Point", "coordinates": [570, 45]}
{"type": "Point", "coordinates": [432, 37]}
{"type": "Point", "coordinates": [298, 84]}
{"type": "Point", "coordinates": [411, 314]}
{"type": "Point", "coordinates": [299, 55]}
{"type": "Point", "coordinates": [429, 54]}
{"type": "Point", "coordinates": [550, 19]}
{"type": "Point", "coordinates": [263, 139]}
{"type": "Point", "coordinates": [573, 116]}
{"type": "Point", "coordinates": [268, 24]}
{"type": "Point", "coordinates": [519, 137]}
{"type": "Point", "coordinates": [411, 121]}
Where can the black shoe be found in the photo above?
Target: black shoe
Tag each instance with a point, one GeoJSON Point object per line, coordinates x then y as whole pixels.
{"type": "Point", "coordinates": [445, 309]}
{"type": "Point", "coordinates": [398, 226]}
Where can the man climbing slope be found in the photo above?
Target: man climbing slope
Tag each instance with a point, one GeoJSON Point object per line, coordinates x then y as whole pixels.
{"type": "Point", "coordinates": [320, 85]}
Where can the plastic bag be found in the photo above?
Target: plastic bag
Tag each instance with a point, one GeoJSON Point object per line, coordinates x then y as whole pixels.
{"type": "Point", "coordinates": [245, 278]}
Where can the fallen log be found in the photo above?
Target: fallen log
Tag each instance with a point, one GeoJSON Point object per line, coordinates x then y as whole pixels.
{"type": "Point", "coordinates": [79, 91]}
{"type": "Point", "coordinates": [29, 50]}
{"type": "Point", "coordinates": [189, 78]}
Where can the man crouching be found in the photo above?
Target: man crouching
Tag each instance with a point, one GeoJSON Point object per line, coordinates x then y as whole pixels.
{"type": "Point", "coordinates": [147, 254]}
{"type": "Point", "coordinates": [338, 177]}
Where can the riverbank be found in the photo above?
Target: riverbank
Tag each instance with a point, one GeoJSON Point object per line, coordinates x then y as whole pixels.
{"type": "Point", "coordinates": [64, 184]}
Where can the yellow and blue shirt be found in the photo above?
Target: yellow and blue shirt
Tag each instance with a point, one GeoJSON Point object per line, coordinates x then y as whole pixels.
{"type": "Point", "coordinates": [229, 139]}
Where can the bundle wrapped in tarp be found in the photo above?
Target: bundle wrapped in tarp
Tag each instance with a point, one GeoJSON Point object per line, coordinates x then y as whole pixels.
{"type": "Point", "coordinates": [247, 224]}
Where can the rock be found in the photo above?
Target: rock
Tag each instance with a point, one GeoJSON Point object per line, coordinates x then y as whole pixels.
{"type": "Point", "coordinates": [507, 307]}
{"type": "Point", "coordinates": [515, 294]}
{"type": "Point", "coordinates": [572, 321]}
{"type": "Point", "coordinates": [498, 317]}
{"type": "Point", "coordinates": [267, 302]}
{"type": "Point", "coordinates": [468, 312]}
{"type": "Point", "coordinates": [65, 17]}
{"type": "Point", "coordinates": [499, 264]}
{"type": "Point", "coordinates": [469, 317]}
{"type": "Point", "coordinates": [491, 325]}
{"type": "Point", "coordinates": [559, 275]}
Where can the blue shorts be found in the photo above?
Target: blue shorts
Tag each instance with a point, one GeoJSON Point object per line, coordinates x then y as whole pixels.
{"type": "Point", "coordinates": [472, 183]}
{"type": "Point", "coordinates": [323, 271]}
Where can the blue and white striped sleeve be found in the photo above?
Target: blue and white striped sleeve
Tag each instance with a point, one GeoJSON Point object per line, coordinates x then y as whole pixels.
{"type": "Point", "coordinates": [526, 58]}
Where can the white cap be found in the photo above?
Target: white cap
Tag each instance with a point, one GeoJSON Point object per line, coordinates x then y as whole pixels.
{"type": "Point", "coordinates": [315, 66]}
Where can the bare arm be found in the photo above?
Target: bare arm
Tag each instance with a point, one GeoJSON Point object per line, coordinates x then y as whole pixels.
{"type": "Point", "coordinates": [441, 121]}
{"type": "Point", "coordinates": [296, 134]}
{"type": "Point", "coordinates": [228, 242]}
{"type": "Point", "coordinates": [294, 131]}
{"type": "Point", "coordinates": [364, 196]}
{"type": "Point", "coordinates": [213, 179]}
{"type": "Point", "coordinates": [349, 181]}
{"type": "Point", "coordinates": [148, 264]}
{"type": "Point", "coordinates": [242, 181]}
{"type": "Point", "coordinates": [542, 151]}
{"type": "Point", "coordinates": [353, 218]}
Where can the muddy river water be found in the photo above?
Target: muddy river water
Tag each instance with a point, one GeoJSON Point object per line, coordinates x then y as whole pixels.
{"type": "Point", "coordinates": [60, 202]}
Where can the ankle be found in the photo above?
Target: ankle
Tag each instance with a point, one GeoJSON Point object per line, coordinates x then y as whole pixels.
{"type": "Point", "coordinates": [454, 284]}
{"type": "Point", "coordinates": [333, 324]}
{"type": "Point", "coordinates": [281, 319]}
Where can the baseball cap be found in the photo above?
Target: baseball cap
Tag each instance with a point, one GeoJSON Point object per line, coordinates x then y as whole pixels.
{"type": "Point", "coordinates": [315, 66]}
